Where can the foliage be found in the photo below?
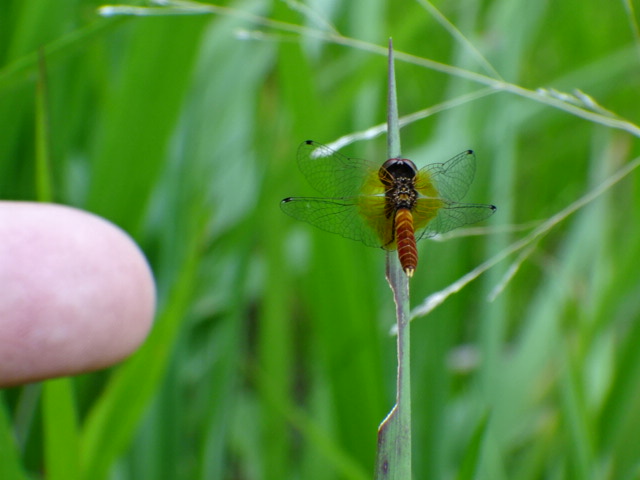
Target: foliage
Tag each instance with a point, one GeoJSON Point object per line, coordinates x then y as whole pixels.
{"type": "Point", "coordinates": [271, 357]}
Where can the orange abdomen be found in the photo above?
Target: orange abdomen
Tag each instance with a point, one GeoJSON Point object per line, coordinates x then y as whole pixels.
{"type": "Point", "coordinates": [406, 241]}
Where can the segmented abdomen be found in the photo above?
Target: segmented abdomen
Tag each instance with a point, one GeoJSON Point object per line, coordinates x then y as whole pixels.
{"type": "Point", "coordinates": [406, 241]}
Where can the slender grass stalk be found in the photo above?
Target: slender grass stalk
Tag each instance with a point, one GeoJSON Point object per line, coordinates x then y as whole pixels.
{"type": "Point", "coordinates": [43, 151]}
{"type": "Point", "coordinates": [61, 432]}
{"type": "Point", "coordinates": [59, 420]}
{"type": "Point", "coordinates": [393, 460]}
{"type": "Point", "coordinates": [631, 15]}
{"type": "Point", "coordinates": [540, 95]}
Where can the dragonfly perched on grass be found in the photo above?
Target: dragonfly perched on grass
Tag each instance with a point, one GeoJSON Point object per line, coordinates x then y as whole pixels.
{"type": "Point", "coordinates": [390, 206]}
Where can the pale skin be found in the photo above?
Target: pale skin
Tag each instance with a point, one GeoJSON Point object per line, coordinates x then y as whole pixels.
{"type": "Point", "coordinates": [76, 293]}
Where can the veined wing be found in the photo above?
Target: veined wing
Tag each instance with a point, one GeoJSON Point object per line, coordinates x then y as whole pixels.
{"type": "Point", "coordinates": [451, 179]}
{"type": "Point", "coordinates": [333, 174]}
{"type": "Point", "coordinates": [449, 216]}
{"type": "Point", "coordinates": [343, 216]}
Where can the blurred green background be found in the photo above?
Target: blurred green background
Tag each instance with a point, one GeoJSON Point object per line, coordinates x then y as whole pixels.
{"type": "Point", "coordinates": [271, 356]}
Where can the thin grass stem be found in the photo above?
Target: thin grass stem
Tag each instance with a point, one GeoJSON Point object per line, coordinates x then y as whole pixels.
{"type": "Point", "coordinates": [393, 459]}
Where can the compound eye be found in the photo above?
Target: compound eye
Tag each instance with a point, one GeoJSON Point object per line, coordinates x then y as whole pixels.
{"type": "Point", "coordinates": [398, 167]}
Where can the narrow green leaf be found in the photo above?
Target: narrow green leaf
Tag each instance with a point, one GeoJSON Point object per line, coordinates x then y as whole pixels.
{"type": "Point", "coordinates": [471, 460]}
{"type": "Point", "coordinates": [393, 460]}
{"type": "Point", "coordinates": [44, 191]}
{"type": "Point", "coordinates": [578, 425]}
{"type": "Point", "coordinates": [393, 125]}
{"type": "Point", "coordinates": [60, 430]}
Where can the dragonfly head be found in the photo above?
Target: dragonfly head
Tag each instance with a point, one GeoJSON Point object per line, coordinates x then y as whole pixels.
{"type": "Point", "coordinates": [397, 168]}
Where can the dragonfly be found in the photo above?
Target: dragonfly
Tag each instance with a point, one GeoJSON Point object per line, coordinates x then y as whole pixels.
{"type": "Point", "coordinates": [390, 206]}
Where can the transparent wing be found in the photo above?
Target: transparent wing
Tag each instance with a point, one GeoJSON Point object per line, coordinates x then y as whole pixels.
{"type": "Point", "coordinates": [339, 215]}
{"type": "Point", "coordinates": [331, 173]}
{"type": "Point", "coordinates": [451, 180]}
{"type": "Point", "coordinates": [450, 216]}
{"type": "Point", "coordinates": [357, 210]}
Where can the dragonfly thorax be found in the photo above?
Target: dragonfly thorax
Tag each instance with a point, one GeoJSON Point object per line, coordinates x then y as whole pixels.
{"type": "Point", "coordinates": [403, 194]}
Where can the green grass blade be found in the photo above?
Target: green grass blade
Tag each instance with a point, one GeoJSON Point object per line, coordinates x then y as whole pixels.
{"type": "Point", "coordinates": [61, 436]}
{"type": "Point", "coordinates": [393, 460]}
{"type": "Point", "coordinates": [394, 147]}
{"type": "Point", "coordinates": [473, 452]}
{"type": "Point", "coordinates": [44, 182]}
